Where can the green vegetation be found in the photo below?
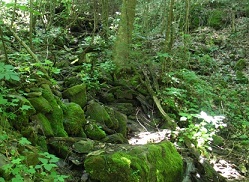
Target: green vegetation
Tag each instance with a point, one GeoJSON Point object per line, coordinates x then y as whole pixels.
{"type": "Point", "coordinates": [77, 82]}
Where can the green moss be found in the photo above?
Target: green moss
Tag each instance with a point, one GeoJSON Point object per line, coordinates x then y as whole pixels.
{"type": "Point", "coordinates": [151, 162]}
{"type": "Point", "coordinates": [198, 16]}
{"type": "Point", "coordinates": [40, 104]}
{"type": "Point", "coordinates": [77, 94]}
{"type": "Point", "coordinates": [42, 143]}
{"type": "Point", "coordinates": [99, 114]}
{"type": "Point", "coordinates": [83, 146]}
{"type": "Point", "coordinates": [215, 19]}
{"type": "Point", "coordinates": [74, 119]}
{"type": "Point", "coordinates": [115, 138]}
{"type": "Point", "coordinates": [55, 117]}
{"type": "Point", "coordinates": [60, 149]}
{"type": "Point", "coordinates": [240, 65]}
{"type": "Point", "coordinates": [46, 128]}
{"type": "Point", "coordinates": [93, 131]}
{"type": "Point", "coordinates": [30, 133]}
{"type": "Point", "coordinates": [126, 108]}
{"type": "Point", "coordinates": [122, 120]}
{"type": "Point", "coordinates": [115, 123]}
{"type": "Point", "coordinates": [241, 78]}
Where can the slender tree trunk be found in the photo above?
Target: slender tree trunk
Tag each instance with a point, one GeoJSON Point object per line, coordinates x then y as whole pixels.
{"type": "Point", "coordinates": [169, 35]}
{"type": "Point", "coordinates": [187, 8]}
{"type": "Point", "coordinates": [105, 16]}
{"type": "Point", "coordinates": [123, 41]}
{"type": "Point", "coordinates": [169, 30]}
{"type": "Point", "coordinates": [31, 23]}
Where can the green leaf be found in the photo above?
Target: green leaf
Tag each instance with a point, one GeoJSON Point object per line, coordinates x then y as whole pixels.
{"type": "Point", "coordinates": [25, 107]}
{"type": "Point", "coordinates": [15, 77]}
{"type": "Point", "coordinates": [48, 167]}
{"type": "Point", "coordinates": [3, 101]}
{"type": "Point", "coordinates": [17, 178]}
{"type": "Point", "coordinates": [31, 170]}
{"type": "Point", "coordinates": [24, 141]}
{"type": "Point", "coordinates": [43, 161]}
{"type": "Point", "coordinates": [16, 161]}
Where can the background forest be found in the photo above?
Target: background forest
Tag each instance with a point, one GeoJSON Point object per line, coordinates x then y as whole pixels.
{"type": "Point", "coordinates": [83, 83]}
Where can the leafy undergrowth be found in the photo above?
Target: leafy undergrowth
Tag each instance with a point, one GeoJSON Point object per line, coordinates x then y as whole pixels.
{"type": "Point", "coordinates": [220, 59]}
{"type": "Point", "coordinates": [207, 75]}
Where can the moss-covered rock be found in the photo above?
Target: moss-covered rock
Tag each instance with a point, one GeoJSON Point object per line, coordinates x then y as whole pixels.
{"type": "Point", "coordinates": [98, 113]}
{"type": "Point", "coordinates": [125, 108]}
{"type": "Point", "coordinates": [83, 146]}
{"type": "Point", "coordinates": [40, 104]}
{"type": "Point", "coordinates": [94, 132]}
{"type": "Point", "coordinates": [122, 120]}
{"type": "Point", "coordinates": [45, 127]}
{"type": "Point", "coordinates": [115, 123]}
{"type": "Point", "coordinates": [117, 138]}
{"type": "Point", "coordinates": [74, 120]}
{"type": "Point", "coordinates": [147, 163]}
{"type": "Point", "coordinates": [76, 94]}
{"type": "Point", "coordinates": [60, 149]}
{"type": "Point", "coordinates": [55, 117]}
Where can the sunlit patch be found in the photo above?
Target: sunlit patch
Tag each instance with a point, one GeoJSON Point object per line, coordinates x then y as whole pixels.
{"type": "Point", "coordinates": [215, 120]}
{"type": "Point", "coordinates": [143, 138]}
{"type": "Point", "coordinates": [228, 170]}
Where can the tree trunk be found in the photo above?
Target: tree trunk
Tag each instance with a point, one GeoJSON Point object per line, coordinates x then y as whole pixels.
{"type": "Point", "coordinates": [123, 41]}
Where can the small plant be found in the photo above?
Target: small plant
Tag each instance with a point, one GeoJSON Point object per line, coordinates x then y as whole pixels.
{"type": "Point", "coordinates": [202, 130]}
{"type": "Point", "coordinates": [7, 72]}
{"type": "Point", "coordinates": [18, 170]}
{"type": "Point", "coordinates": [91, 74]}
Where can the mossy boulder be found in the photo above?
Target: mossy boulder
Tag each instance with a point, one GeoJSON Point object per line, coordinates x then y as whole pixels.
{"type": "Point", "coordinates": [55, 117]}
{"type": "Point", "coordinates": [117, 138]}
{"type": "Point", "coordinates": [83, 146]}
{"type": "Point", "coordinates": [122, 120]}
{"type": "Point", "coordinates": [45, 127]}
{"type": "Point", "coordinates": [151, 162]}
{"type": "Point", "coordinates": [76, 94]}
{"type": "Point", "coordinates": [125, 108]}
{"type": "Point", "coordinates": [98, 113]}
{"type": "Point", "coordinates": [93, 131]}
{"type": "Point", "coordinates": [40, 104]}
{"type": "Point", "coordinates": [115, 123]}
{"type": "Point", "coordinates": [74, 119]}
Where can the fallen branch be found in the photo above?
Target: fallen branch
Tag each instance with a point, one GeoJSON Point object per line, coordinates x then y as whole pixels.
{"type": "Point", "coordinates": [170, 122]}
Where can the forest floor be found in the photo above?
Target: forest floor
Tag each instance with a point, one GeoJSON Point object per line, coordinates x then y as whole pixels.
{"type": "Point", "coordinates": [231, 157]}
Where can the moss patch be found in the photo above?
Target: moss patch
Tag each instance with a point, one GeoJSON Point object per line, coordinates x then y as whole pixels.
{"type": "Point", "coordinates": [74, 120]}
{"type": "Point", "coordinates": [45, 127]}
{"type": "Point", "coordinates": [40, 104]}
{"type": "Point", "coordinates": [216, 18]}
{"type": "Point", "coordinates": [151, 162]}
{"type": "Point", "coordinates": [76, 94]}
{"type": "Point", "coordinates": [94, 132]}
{"type": "Point", "coordinates": [98, 113]}
{"type": "Point", "coordinates": [55, 117]}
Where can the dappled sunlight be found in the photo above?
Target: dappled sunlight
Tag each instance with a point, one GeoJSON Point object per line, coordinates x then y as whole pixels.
{"type": "Point", "coordinates": [143, 138]}
{"type": "Point", "coordinates": [228, 170]}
